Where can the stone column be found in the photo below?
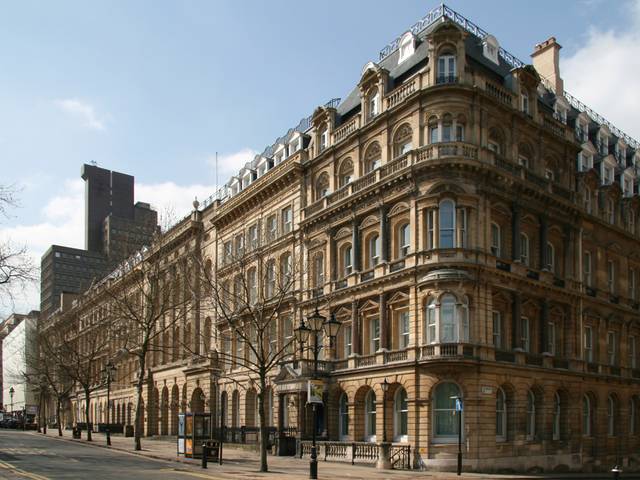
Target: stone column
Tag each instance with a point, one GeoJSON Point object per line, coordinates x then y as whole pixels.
{"type": "Point", "coordinates": [544, 322]}
{"type": "Point", "coordinates": [515, 232]}
{"type": "Point", "coordinates": [355, 329]}
{"type": "Point", "coordinates": [384, 234]}
{"type": "Point", "coordinates": [544, 239]}
{"type": "Point", "coordinates": [355, 244]}
{"type": "Point", "coordinates": [516, 324]}
{"type": "Point", "coordinates": [385, 343]}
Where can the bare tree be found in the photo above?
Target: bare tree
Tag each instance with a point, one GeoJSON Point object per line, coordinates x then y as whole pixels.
{"type": "Point", "coordinates": [144, 304]}
{"type": "Point", "coordinates": [254, 299]}
{"type": "Point", "coordinates": [16, 267]}
{"type": "Point", "coordinates": [81, 349]}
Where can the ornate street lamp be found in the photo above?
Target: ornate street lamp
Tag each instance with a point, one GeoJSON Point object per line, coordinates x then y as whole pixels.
{"type": "Point", "coordinates": [385, 388]}
{"type": "Point", "coordinates": [317, 323]}
{"type": "Point", "coordinates": [107, 374]}
{"type": "Point", "coordinates": [11, 392]}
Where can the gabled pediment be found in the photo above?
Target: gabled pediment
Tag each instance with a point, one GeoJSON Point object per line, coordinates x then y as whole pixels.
{"type": "Point", "coordinates": [399, 297]}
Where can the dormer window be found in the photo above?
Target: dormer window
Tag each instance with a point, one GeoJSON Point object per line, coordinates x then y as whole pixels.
{"type": "Point", "coordinates": [603, 144]}
{"type": "Point", "coordinates": [446, 69]}
{"type": "Point", "coordinates": [627, 185]}
{"type": "Point", "coordinates": [324, 139]}
{"type": "Point", "coordinates": [374, 104]}
{"type": "Point", "coordinates": [621, 154]}
{"type": "Point", "coordinates": [407, 46]}
{"type": "Point", "coordinates": [585, 161]}
{"type": "Point", "coordinates": [524, 101]}
{"type": "Point", "coordinates": [294, 146]}
{"type": "Point", "coordinates": [490, 48]}
{"type": "Point", "coordinates": [607, 174]}
{"type": "Point", "coordinates": [560, 113]}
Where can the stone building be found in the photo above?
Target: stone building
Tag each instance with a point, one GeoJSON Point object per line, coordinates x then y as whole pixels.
{"type": "Point", "coordinates": [474, 229]}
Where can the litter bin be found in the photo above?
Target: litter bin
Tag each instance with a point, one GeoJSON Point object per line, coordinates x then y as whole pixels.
{"type": "Point", "coordinates": [128, 431]}
{"type": "Point", "coordinates": [76, 432]}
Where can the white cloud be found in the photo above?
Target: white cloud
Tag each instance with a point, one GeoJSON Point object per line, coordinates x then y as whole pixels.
{"type": "Point", "coordinates": [230, 163]}
{"type": "Point", "coordinates": [603, 72]}
{"type": "Point", "coordinates": [83, 111]}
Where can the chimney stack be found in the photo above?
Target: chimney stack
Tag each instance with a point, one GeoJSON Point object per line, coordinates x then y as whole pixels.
{"type": "Point", "coordinates": [546, 61]}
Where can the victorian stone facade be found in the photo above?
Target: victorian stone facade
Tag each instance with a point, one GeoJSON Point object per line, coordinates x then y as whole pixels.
{"type": "Point", "coordinates": [472, 227]}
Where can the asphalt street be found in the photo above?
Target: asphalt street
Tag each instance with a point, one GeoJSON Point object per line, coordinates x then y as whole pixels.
{"type": "Point", "coordinates": [27, 455]}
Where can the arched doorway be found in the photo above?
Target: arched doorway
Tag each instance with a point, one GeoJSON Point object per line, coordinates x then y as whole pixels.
{"type": "Point", "coordinates": [175, 404]}
{"type": "Point", "coordinates": [251, 407]}
{"type": "Point", "coordinates": [197, 401]}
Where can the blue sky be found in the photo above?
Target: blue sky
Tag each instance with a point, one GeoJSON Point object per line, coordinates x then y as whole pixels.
{"type": "Point", "coordinates": [154, 88]}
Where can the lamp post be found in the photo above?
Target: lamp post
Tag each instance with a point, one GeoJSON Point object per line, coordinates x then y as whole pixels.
{"type": "Point", "coordinates": [459, 410]}
{"type": "Point", "coordinates": [385, 389]}
{"type": "Point", "coordinates": [317, 323]}
{"type": "Point", "coordinates": [11, 392]}
{"type": "Point", "coordinates": [107, 374]}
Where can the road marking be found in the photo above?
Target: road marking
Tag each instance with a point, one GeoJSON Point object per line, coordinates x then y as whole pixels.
{"type": "Point", "coordinates": [19, 471]}
{"type": "Point", "coordinates": [193, 474]}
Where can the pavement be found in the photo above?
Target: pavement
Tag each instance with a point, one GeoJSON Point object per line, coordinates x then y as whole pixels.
{"type": "Point", "coordinates": [38, 457]}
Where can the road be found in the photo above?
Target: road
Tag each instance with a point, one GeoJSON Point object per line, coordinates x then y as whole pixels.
{"type": "Point", "coordinates": [29, 456]}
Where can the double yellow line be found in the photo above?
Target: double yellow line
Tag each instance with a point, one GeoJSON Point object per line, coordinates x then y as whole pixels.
{"type": "Point", "coordinates": [19, 471]}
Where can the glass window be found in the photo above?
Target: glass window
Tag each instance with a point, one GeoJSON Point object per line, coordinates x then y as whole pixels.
{"type": "Point", "coordinates": [401, 416]}
{"type": "Point", "coordinates": [347, 340]}
{"type": "Point", "coordinates": [526, 343]}
{"type": "Point", "coordinates": [374, 250]}
{"type": "Point", "coordinates": [586, 268]}
{"type": "Point", "coordinates": [446, 69]}
{"type": "Point", "coordinates": [551, 338]}
{"type": "Point", "coordinates": [447, 319]}
{"type": "Point", "coordinates": [495, 239]}
{"type": "Point", "coordinates": [252, 280]}
{"type": "Point", "coordinates": [272, 227]}
{"type": "Point", "coordinates": [459, 132]}
{"type": "Point", "coordinates": [588, 344]}
{"type": "Point", "coordinates": [447, 224]}
{"type": "Point", "coordinates": [431, 322]}
{"type": "Point", "coordinates": [346, 258]}
{"type": "Point", "coordinates": [287, 220]}
{"type": "Point", "coordinates": [370, 417]}
{"type": "Point", "coordinates": [611, 277]}
{"type": "Point", "coordinates": [611, 347]}
{"type": "Point", "coordinates": [531, 415]}
{"type": "Point", "coordinates": [447, 129]}
{"type": "Point", "coordinates": [632, 284]}
{"type": "Point", "coordinates": [253, 237]}
{"type": "Point", "coordinates": [556, 417]}
{"type": "Point", "coordinates": [586, 416]}
{"type": "Point", "coordinates": [287, 334]}
{"type": "Point", "coordinates": [524, 249]}
{"type": "Point", "coordinates": [611, 416]}
{"type": "Point", "coordinates": [374, 335]}
{"type": "Point", "coordinates": [445, 419]}
{"type": "Point", "coordinates": [497, 329]}
{"type": "Point", "coordinates": [318, 270]}
{"type": "Point", "coordinates": [404, 239]}
{"type": "Point", "coordinates": [551, 257]}
{"type": "Point", "coordinates": [403, 329]}
{"type": "Point", "coordinates": [270, 280]}
{"type": "Point", "coordinates": [433, 134]}
{"type": "Point", "coordinates": [344, 417]}
{"type": "Point", "coordinates": [525, 101]}
{"type": "Point", "coordinates": [632, 352]}
{"type": "Point", "coordinates": [501, 416]}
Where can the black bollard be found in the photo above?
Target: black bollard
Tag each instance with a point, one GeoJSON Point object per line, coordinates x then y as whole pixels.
{"type": "Point", "coordinates": [616, 472]}
{"type": "Point", "coordinates": [205, 451]}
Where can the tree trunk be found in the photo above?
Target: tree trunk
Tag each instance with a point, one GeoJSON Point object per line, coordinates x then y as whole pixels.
{"type": "Point", "coordinates": [59, 420]}
{"type": "Point", "coordinates": [138, 426]}
{"type": "Point", "coordinates": [264, 433]}
{"type": "Point", "coordinates": [87, 410]}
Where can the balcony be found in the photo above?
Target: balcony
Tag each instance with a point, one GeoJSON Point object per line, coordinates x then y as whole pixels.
{"type": "Point", "coordinates": [446, 79]}
{"type": "Point", "coordinates": [393, 168]}
{"type": "Point", "coordinates": [401, 93]}
{"type": "Point", "coordinates": [447, 350]}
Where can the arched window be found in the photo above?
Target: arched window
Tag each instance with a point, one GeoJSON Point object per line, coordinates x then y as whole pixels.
{"type": "Point", "coordinates": [459, 128]}
{"type": "Point", "coordinates": [445, 422]}
{"type": "Point", "coordinates": [372, 158]}
{"type": "Point", "coordinates": [402, 142]}
{"type": "Point", "coordinates": [322, 186]}
{"type": "Point", "coordinates": [496, 141]}
{"type": "Point", "coordinates": [524, 249]}
{"type": "Point", "coordinates": [531, 416]}
{"type": "Point", "coordinates": [501, 416]}
{"type": "Point", "coordinates": [347, 260]}
{"type": "Point", "coordinates": [524, 99]}
{"type": "Point", "coordinates": [448, 319]}
{"type": "Point", "coordinates": [431, 323]}
{"type": "Point", "coordinates": [496, 239]}
{"type": "Point", "coordinates": [611, 416]}
{"type": "Point", "coordinates": [373, 104]}
{"type": "Point", "coordinates": [346, 172]}
{"type": "Point", "coordinates": [524, 156]}
{"type": "Point", "coordinates": [446, 68]}
{"type": "Point", "coordinates": [557, 411]}
{"type": "Point", "coordinates": [374, 251]}
{"type": "Point", "coordinates": [370, 417]}
{"type": "Point", "coordinates": [447, 217]}
{"type": "Point", "coordinates": [400, 416]}
{"type": "Point", "coordinates": [434, 131]}
{"type": "Point", "coordinates": [404, 240]}
{"type": "Point", "coordinates": [586, 416]}
{"type": "Point", "coordinates": [344, 417]}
